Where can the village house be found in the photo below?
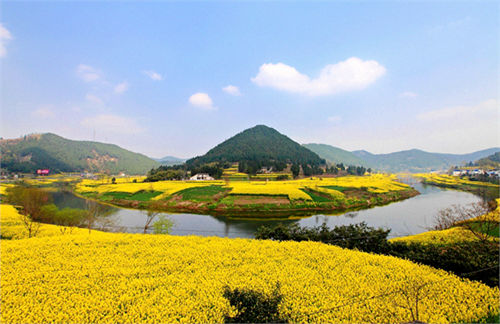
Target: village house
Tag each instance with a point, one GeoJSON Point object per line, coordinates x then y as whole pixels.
{"type": "Point", "coordinates": [201, 176]}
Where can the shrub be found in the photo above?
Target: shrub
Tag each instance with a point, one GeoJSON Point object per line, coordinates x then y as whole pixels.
{"type": "Point", "coordinates": [354, 236]}
{"type": "Point", "coordinates": [253, 306]}
{"type": "Point", "coordinates": [465, 259]}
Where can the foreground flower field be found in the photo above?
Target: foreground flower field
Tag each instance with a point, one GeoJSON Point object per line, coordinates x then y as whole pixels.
{"type": "Point", "coordinates": [109, 278]}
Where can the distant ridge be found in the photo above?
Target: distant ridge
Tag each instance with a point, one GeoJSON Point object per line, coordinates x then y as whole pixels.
{"type": "Point", "coordinates": [335, 155]}
{"type": "Point", "coordinates": [413, 160]}
{"type": "Point", "coordinates": [419, 161]}
{"type": "Point", "coordinates": [170, 160]}
{"type": "Point", "coordinates": [40, 151]}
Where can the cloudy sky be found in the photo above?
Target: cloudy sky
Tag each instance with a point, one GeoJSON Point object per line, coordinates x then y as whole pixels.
{"type": "Point", "coordinates": [175, 78]}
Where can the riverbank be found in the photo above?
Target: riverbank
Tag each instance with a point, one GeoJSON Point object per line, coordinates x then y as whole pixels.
{"type": "Point", "coordinates": [485, 227]}
{"type": "Point", "coordinates": [251, 198]}
{"type": "Point", "coordinates": [484, 189]}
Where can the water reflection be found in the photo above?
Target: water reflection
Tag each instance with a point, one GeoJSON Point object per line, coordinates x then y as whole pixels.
{"type": "Point", "coordinates": [411, 216]}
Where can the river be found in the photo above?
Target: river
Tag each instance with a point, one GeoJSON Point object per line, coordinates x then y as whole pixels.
{"type": "Point", "coordinates": [408, 217]}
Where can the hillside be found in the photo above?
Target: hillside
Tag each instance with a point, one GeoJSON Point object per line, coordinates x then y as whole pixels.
{"type": "Point", "coordinates": [260, 145]}
{"type": "Point", "coordinates": [40, 151]}
{"type": "Point", "coordinates": [492, 161]}
{"type": "Point", "coordinates": [335, 155]}
{"type": "Point", "coordinates": [418, 160]}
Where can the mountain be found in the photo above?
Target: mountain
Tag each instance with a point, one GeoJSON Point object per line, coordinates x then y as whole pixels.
{"type": "Point", "coordinates": [491, 161]}
{"type": "Point", "coordinates": [335, 155]}
{"type": "Point", "coordinates": [170, 160]}
{"type": "Point", "coordinates": [50, 151]}
{"type": "Point", "coordinates": [262, 145]}
{"type": "Point", "coordinates": [418, 160]}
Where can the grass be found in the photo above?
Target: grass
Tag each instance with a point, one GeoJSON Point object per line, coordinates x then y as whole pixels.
{"type": "Point", "coordinates": [341, 189]}
{"type": "Point", "coordinates": [201, 193]}
{"type": "Point", "coordinates": [316, 197]}
{"type": "Point", "coordinates": [477, 226]}
{"type": "Point", "coordinates": [142, 195]}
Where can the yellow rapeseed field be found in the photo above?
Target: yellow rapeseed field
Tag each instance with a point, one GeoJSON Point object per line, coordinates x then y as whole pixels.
{"type": "Point", "coordinates": [454, 234]}
{"type": "Point", "coordinates": [3, 188]}
{"type": "Point", "coordinates": [377, 183]}
{"type": "Point", "coordinates": [138, 278]}
{"type": "Point", "coordinates": [452, 180]}
{"type": "Point", "coordinates": [291, 189]}
{"type": "Point", "coordinates": [447, 236]}
{"type": "Point", "coordinates": [11, 226]}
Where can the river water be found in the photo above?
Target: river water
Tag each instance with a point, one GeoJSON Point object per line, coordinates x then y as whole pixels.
{"type": "Point", "coordinates": [408, 217]}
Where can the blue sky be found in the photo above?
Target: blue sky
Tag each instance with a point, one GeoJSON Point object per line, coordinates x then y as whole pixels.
{"type": "Point", "coordinates": [177, 78]}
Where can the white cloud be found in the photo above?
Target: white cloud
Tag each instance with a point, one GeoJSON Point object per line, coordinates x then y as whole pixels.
{"type": "Point", "coordinates": [44, 112]}
{"type": "Point", "coordinates": [88, 73]}
{"type": "Point", "coordinates": [408, 94]}
{"type": "Point", "coordinates": [121, 87]}
{"type": "Point", "coordinates": [334, 119]}
{"type": "Point", "coordinates": [5, 36]}
{"type": "Point", "coordinates": [232, 90]}
{"type": "Point", "coordinates": [113, 124]}
{"type": "Point", "coordinates": [201, 100]}
{"type": "Point", "coordinates": [488, 108]}
{"type": "Point", "coordinates": [94, 99]}
{"type": "Point", "coordinates": [153, 75]}
{"type": "Point", "coordinates": [351, 74]}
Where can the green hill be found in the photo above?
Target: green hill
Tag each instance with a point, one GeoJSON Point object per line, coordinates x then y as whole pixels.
{"type": "Point", "coordinates": [492, 161]}
{"type": "Point", "coordinates": [335, 155]}
{"type": "Point", "coordinates": [259, 146]}
{"type": "Point", "coordinates": [50, 151]}
{"type": "Point", "coordinates": [418, 160]}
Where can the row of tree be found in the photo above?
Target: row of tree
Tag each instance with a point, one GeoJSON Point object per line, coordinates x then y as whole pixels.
{"type": "Point", "coordinates": [35, 207]}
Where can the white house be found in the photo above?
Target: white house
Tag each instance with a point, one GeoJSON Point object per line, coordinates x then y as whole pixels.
{"type": "Point", "coordinates": [201, 176]}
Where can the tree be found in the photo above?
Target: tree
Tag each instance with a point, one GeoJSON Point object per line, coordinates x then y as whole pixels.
{"type": "Point", "coordinates": [295, 170]}
{"type": "Point", "coordinates": [153, 211]}
{"type": "Point", "coordinates": [413, 293]}
{"type": "Point", "coordinates": [478, 218]}
{"type": "Point", "coordinates": [94, 211]}
{"type": "Point", "coordinates": [29, 202]}
{"type": "Point", "coordinates": [163, 225]}
{"type": "Point", "coordinates": [66, 218]}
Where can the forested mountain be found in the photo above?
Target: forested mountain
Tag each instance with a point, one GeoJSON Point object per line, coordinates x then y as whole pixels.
{"type": "Point", "coordinates": [257, 147]}
{"type": "Point", "coordinates": [492, 161]}
{"type": "Point", "coordinates": [50, 151]}
{"type": "Point", "coordinates": [335, 155]}
{"type": "Point", "coordinates": [418, 160]}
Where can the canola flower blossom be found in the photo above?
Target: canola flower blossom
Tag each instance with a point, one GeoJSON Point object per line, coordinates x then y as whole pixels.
{"type": "Point", "coordinates": [292, 189]}
{"type": "Point", "coordinates": [447, 236]}
{"type": "Point", "coordinates": [447, 180]}
{"type": "Point", "coordinates": [11, 226]}
{"type": "Point", "coordinates": [454, 234]}
{"type": "Point", "coordinates": [140, 278]}
{"type": "Point", "coordinates": [3, 188]}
